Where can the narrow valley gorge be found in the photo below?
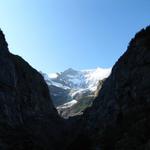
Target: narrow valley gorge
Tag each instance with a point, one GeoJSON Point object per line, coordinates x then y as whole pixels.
{"type": "Point", "coordinates": [117, 119]}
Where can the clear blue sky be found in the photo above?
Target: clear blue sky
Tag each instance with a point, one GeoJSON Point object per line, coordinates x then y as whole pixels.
{"type": "Point", "coordinates": [53, 35]}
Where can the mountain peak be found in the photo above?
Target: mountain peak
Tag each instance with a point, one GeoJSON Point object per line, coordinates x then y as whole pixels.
{"type": "Point", "coordinates": [3, 44]}
{"type": "Point", "coordinates": [145, 32]}
{"type": "Point", "coordinates": [69, 70]}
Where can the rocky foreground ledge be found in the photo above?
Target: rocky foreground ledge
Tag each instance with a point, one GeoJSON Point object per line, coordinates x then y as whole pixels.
{"type": "Point", "coordinates": [118, 120]}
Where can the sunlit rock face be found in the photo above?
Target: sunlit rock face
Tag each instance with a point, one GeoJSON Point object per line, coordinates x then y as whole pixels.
{"type": "Point", "coordinates": [28, 119]}
{"type": "Point", "coordinates": [120, 116]}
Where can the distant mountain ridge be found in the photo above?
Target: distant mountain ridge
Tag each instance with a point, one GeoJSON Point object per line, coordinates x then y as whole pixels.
{"type": "Point", "coordinates": [71, 86]}
{"type": "Point", "coordinates": [82, 79]}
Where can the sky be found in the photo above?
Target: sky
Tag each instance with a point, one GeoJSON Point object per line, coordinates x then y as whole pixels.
{"type": "Point", "coordinates": [53, 35]}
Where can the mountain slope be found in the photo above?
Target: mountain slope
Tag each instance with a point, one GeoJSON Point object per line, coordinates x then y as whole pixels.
{"type": "Point", "coordinates": [72, 91]}
{"type": "Point", "coordinates": [27, 115]}
{"type": "Point", "coordinates": [119, 118]}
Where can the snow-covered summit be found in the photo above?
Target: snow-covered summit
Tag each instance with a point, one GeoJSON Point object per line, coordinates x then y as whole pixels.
{"type": "Point", "coordinates": [84, 79]}
{"type": "Point", "coordinates": [70, 87]}
{"type": "Point", "coordinates": [93, 76]}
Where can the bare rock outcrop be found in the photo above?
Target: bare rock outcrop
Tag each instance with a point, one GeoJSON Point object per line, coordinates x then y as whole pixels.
{"type": "Point", "coordinates": [120, 116]}
{"type": "Point", "coordinates": [28, 119]}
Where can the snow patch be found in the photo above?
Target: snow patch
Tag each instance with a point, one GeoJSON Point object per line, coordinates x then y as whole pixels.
{"type": "Point", "coordinates": [75, 81]}
{"type": "Point", "coordinates": [93, 76]}
{"type": "Point", "coordinates": [75, 92]}
{"type": "Point", "coordinates": [59, 85]}
{"type": "Point", "coordinates": [67, 105]}
{"type": "Point", "coordinates": [53, 75]}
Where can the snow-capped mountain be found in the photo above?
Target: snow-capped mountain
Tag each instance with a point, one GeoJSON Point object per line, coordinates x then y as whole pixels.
{"type": "Point", "coordinates": [83, 79]}
{"type": "Point", "coordinates": [69, 87]}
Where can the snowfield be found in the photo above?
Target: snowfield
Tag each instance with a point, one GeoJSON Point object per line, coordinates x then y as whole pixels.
{"type": "Point", "coordinates": [76, 82]}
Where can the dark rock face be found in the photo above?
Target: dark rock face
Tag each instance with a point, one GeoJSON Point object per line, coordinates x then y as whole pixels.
{"type": "Point", "coordinates": [28, 119]}
{"type": "Point", "coordinates": [3, 44]}
{"type": "Point", "coordinates": [120, 116]}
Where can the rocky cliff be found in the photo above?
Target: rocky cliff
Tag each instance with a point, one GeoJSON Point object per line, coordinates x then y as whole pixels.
{"type": "Point", "coordinates": [120, 116]}
{"type": "Point", "coordinates": [28, 119]}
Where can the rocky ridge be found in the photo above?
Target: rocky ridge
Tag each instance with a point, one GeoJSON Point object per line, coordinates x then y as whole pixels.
{"type": "Point", "coordinates": [28, 119]}
{"type": "Point", "coordinates": [119, 118]}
